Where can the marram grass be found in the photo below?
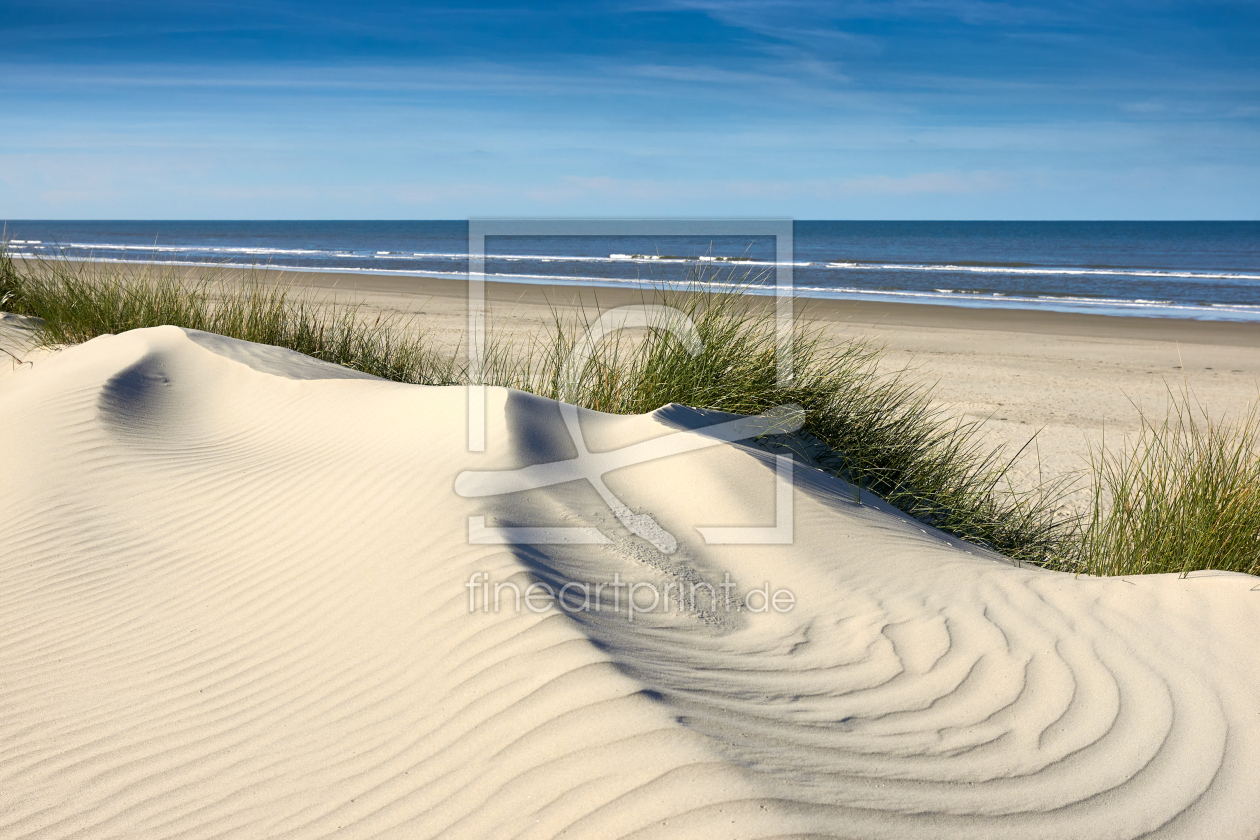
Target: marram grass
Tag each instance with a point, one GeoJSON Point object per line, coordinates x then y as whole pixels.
{"type": "Point", "coordinates": [77, 301]}
{"type": "Point", "coordinates": [1183, 497]}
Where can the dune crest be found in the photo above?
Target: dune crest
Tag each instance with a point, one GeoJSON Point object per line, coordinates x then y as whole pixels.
{"type": "Point", "coordinates": [236, 602]}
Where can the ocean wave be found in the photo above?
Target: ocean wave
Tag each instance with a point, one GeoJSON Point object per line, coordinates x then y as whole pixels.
{"type": "Point", "coordinates": [960, 267]}
{"type": "Point", "coordinates": [343, 253]}
{"type": "Point", "coordinates": [982, 298]}
{"type": "Point", "coordinates": [178, 249]}
{"type": "Point", "coordinates": [1007, 300]}
{"type": "Point", "coordinates": [954, 268]}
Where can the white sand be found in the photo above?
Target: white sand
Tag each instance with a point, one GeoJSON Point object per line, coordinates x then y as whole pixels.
{"type": "Point", "coordinates": [234, 605]}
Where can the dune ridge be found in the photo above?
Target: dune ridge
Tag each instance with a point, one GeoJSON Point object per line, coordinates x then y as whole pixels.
{"type": "Point", "coordinates": [235, 604]}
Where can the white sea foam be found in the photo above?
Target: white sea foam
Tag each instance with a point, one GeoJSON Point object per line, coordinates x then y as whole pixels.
{"type": "Point", "coordinates": [948, 268]}
{"type": "Point", "coordinates": [1047, 271]}
{"type": "Point", "coordinates": [184, 249]}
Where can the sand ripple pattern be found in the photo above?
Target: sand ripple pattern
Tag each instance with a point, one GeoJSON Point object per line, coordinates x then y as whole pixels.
{"type": "Point", "coordinates": [232, 604]}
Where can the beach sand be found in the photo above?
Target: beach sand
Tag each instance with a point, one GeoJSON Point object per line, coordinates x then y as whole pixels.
{"type": "Point", "coordinates": [249, 594]}
{"type": "Point", "coordinates": [1072, 380]}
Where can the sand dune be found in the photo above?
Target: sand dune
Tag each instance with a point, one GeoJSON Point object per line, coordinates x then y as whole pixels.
{"type": "Point", "coordinates": [235, 601]}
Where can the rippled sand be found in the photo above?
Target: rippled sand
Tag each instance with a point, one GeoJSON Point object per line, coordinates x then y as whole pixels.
{"type": "Point", "coordinates": [236, 603]}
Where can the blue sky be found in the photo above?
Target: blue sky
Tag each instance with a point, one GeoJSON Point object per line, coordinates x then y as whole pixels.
{"type": "Point", "coordinates": [922, 109]}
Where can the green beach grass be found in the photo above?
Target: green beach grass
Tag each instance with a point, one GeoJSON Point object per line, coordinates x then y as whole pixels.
{"type": "Point", "coordinates": [1182, 495]}
{"type": "Point", "coordinates": [77, 301]}
{"type": "Point", "coordinates": [1181, 498]}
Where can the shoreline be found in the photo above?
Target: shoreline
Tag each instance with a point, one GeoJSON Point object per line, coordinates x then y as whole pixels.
{"type": "Point", "coordinates": [903, 313]}
{"type": "Point", "coordinates": [831, 310]}
{"type": "Point", "coordinates": [855, 313]}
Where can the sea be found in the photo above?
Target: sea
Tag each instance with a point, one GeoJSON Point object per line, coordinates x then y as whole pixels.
{"type": "Point", "coordinates": [1200, 270]}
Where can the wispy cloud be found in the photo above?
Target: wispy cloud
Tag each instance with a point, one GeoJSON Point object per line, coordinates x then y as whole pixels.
{"type": "Point", "coordinates": [797, 107]}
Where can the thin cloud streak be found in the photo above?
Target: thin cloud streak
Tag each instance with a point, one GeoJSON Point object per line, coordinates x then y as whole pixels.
{"type": "Point", "coordinates": [919, 108]}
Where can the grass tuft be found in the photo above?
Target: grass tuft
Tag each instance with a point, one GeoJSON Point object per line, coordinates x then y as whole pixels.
{"type": "Point", "coordinates": [885, 434]}
{"type": "Point", "coordinates": [78, 301]}
{"type": "Point", "coordinates": [9, 285]}
{"type": "Point", "coordinates": [1183, 495]}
